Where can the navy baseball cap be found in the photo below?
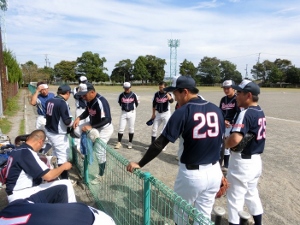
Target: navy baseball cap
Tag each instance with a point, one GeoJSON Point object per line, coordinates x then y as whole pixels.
{"type": "Point", "coordinates": [247, 86]}
{"type": "Point", "coordinates": [64, 88]}
{"type": "Point", "coordinates": [85, 88]}
{"type": "Point", "coordinates": [186, 82]}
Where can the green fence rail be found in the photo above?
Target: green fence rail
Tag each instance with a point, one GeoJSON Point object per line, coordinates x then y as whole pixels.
{"type": "Point", "coordinates": [134, 198]}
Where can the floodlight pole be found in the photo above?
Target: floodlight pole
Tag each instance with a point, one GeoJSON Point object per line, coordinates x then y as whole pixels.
{"type": "Point", "coordinates": [173, 44]}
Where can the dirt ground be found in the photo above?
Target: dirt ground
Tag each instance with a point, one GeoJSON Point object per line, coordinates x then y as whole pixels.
{"type": "Point", "coordinates": [279, 185]}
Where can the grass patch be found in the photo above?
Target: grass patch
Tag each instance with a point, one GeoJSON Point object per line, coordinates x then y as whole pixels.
{"type": "Point", "coordinates": [22, 127]}
{"type": "Point", "coordinates": [12, 108]}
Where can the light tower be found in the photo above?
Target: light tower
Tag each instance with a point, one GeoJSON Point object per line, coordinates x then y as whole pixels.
{"type": "Point", "coordinates": [3, 8]}
{"type": "Point", "coordinates": [173, 44]}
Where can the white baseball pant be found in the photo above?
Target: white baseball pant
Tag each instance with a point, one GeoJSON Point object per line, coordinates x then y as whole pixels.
{"type": "Point", "coordinates": [243, 176]}
{"type": "Point", "coordinates": [202, 186]}
{"type": "Point", "coordinates": [227, 133]}
{"type": "Point", "coordinates": [160, 118]}
{"type": "Point", "coordinates": [101, 217]}
{"type": "Point", "coordinates": [60, 146]}
{"type": "Point", "coordinates": [26, 192]}
{"type": "Point", "coordinates": [40, 122]}
{"type": "Point", "coordinates": [127, 117]}
{"type": "Point", "coordinates": [104, 134]}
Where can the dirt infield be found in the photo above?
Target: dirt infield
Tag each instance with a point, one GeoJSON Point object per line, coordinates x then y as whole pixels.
{"type": "Point", "coordinates": [279, 185]}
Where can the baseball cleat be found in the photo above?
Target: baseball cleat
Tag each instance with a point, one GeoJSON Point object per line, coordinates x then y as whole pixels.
{"type": "Point", "coordinates": [118, 145]}
{"type": "Point", "coordinates": [97, 180]}
{"type": "Point", "coordinates": [129, 145]}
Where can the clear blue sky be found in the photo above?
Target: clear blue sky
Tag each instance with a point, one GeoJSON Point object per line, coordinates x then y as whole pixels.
{"type": "Point", "coordinates": [234, 30]}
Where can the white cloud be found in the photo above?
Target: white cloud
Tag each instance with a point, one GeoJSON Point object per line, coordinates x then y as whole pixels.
{"type": "Point", "coordinates": [127, 29]}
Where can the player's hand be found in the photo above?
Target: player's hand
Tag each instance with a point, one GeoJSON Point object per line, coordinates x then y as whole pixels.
{"type": "Point", "coordinates": [67, 165]}
{"type": "Point", "coordinates": [132, 166]}
{"type": "Point", "coordinates": [169, 96]}
{"type": "Point", "coordinates": [86, 128]}
{"type": "Point", "coordinates": [153, 117]}
{"type": "Point", "coordinates": [76, 122]}
{"type": "Point", "coordinates": [227, 124]}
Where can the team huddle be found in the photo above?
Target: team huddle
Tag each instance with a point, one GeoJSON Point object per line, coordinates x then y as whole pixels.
{"type": "Point", "coordinates": [208, 136]}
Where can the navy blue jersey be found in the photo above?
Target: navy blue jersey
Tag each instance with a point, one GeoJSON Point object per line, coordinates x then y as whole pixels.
{"type": "Point", "coordinates": [202, 128]}
{"type": "Point", "coordinates": [23, 212]}
{"type": "Point", "coordinates": [229, 108]}
{"type": "Point", "coordinates": [25, 169]}
{"type": "Point", "coordinates": [98, 109]}
{"type": "Point", "coordinates": [252, 120]}
{"type": "Point", "coordinates": [79, 101]}
{"type": "Point", "coordinates": [58, 116]}
{"type": "Point", "coordinates": [41, 103]}
{"type": "Point", "coordinates": [160, 102]}
{"type": "Point", "coordinates": [128, 101]}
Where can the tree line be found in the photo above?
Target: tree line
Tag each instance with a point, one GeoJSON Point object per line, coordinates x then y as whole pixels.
{"type": "Point", "coordinates": [147, 69]}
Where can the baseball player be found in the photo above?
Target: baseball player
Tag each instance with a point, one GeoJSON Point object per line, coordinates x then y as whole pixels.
{"type": "Point", "coordinates": [26, 171]}
{"type": "Point", "coordinates": [129, 102]}
{"type": "Point", "coordinates": [200, 123]}
{"type": "Point", "coordinates": [229, 108]}
{"type": "Point", "coordinates": [245, 167]}
{"type": "Point", "coordinates": [39, 99]}
{"type": "Point", "coordinates": [58, 120]}
{"type": "Point", "coordinates": [160, 109]}
{"type": "Point", "coordinates": [99, 126]}
{"type": "Point", "coordinates": [80, 105]}
{"type": "Point", "coordinates": [37, 209]}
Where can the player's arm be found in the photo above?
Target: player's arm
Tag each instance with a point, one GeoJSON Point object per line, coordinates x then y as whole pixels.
{"type": "Point", "coordinates": [35, 95]}
{"type": "Point", "coordinates": [233, 139]}
{"type": "Point", "coordinates": [136, 102]}
{"type": "Point", "coordinates": [170, 98]}
{"type": "Point", "coordinates": [155, 148]}
{"type": "Point", "coordinates": [54, 173]}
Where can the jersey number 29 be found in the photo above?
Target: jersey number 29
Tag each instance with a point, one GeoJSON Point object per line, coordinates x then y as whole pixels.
{"type": "Point", "coordinates": [210, 120]}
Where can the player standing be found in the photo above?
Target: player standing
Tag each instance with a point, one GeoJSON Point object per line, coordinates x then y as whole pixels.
{"type": "Point", "coordinates": [80, 105]}
{"type": "Point", "coordinates": [99, 126]}
{"type": "Point", "coordinates": [160, 109]}
{"type": "Point", "coordinates": [200, 123]}
{"type": "Point", "coordinates": [129, 102]}
{"type": "Point", "coordinates": [39, 99]}
{"type": "Point", "coordinates": [229, 108]}
{"type": "Point", "coordinates": [245, 167]}
{"type": "Point", "coordinates": [58, 119]}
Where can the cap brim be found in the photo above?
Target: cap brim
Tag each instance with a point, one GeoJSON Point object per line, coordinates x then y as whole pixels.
{"type": "Point", "coordinates": [170, 88]}
{"type": "Point", "coordinates": [227, 86]}
{"type": "Point", "coordinates": [81, 93]}
{"type": "Point", "coordinates": [237, 87]}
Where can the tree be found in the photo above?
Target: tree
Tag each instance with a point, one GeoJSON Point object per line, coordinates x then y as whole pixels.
{"type": "Point", "coordinates": [30, 72]}
{"type": "Point", "coordinates": [65, 70]}
{"type": "Point", "coordinates": [188, 68]}
{"type": "Point", "coordinates": [92, 66]}
{"type": "Point", "coordinates": [140, 71]}
{"type": "Point", "coordinates": [209, 70]}
{"type": "Point", "coordinates": [13, 69]}
{"type": "Point", "coordinates": [293, 75]}
{"type": "Point", "coordinates": [262, 70]}
{"type": "Point", "coordinates": [155, 67]}
{"type": "Point", "coordinates": [229, 72]}
{"type": "Point", "coordinates": [122, 71]}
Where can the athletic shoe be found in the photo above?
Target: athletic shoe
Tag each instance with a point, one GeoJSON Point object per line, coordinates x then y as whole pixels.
{"type": "Point", "coordinates": [164, 149]}
{"type": "Point", "coordinates": [118, 145]}
{"type": "Point", "coordinates": [97, 180]}
{"type": "Point", "coordinates": [129, 145]}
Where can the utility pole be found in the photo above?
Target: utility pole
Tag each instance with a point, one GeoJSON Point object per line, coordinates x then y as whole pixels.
{"type": "Point", "coordinates": [173, 44]}
{"type": "Point", "coordinates": [246, 71]}
{"type": "Point", "coordinates": [47, 60]}
{"type": "Point", "coordinates": [258, 58]}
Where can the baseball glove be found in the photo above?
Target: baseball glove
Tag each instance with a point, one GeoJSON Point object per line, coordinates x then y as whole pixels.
{"type": "Point", "coordinates": [244, 142]}
{"type": "Point", "coordinates": [149, 122]}
{"type": "Point", "coordinates": [223, 187]}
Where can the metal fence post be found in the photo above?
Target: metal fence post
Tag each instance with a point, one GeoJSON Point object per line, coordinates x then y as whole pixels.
{"type": "Point", "coordinates": [86, 170]}
{"type": "Point", "coordinates": [219, 211]}
{"type": "Point", "coordinates": [147, 198]}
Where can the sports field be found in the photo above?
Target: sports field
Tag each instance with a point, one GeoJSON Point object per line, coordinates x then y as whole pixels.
{"type": "Point", "coordinates": [279, 185]}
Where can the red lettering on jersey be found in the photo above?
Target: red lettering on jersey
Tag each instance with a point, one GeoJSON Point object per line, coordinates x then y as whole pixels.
{"type": "Point", "coordinates": [127, 100]}
{"type": "Point", "coordinates": [228, 106]}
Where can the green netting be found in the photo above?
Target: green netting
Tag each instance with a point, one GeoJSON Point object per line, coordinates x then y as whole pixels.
{"type": "Point", "coordinates": [134, 198]}
{"type": "Point", "coordinates": [31, 88]}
